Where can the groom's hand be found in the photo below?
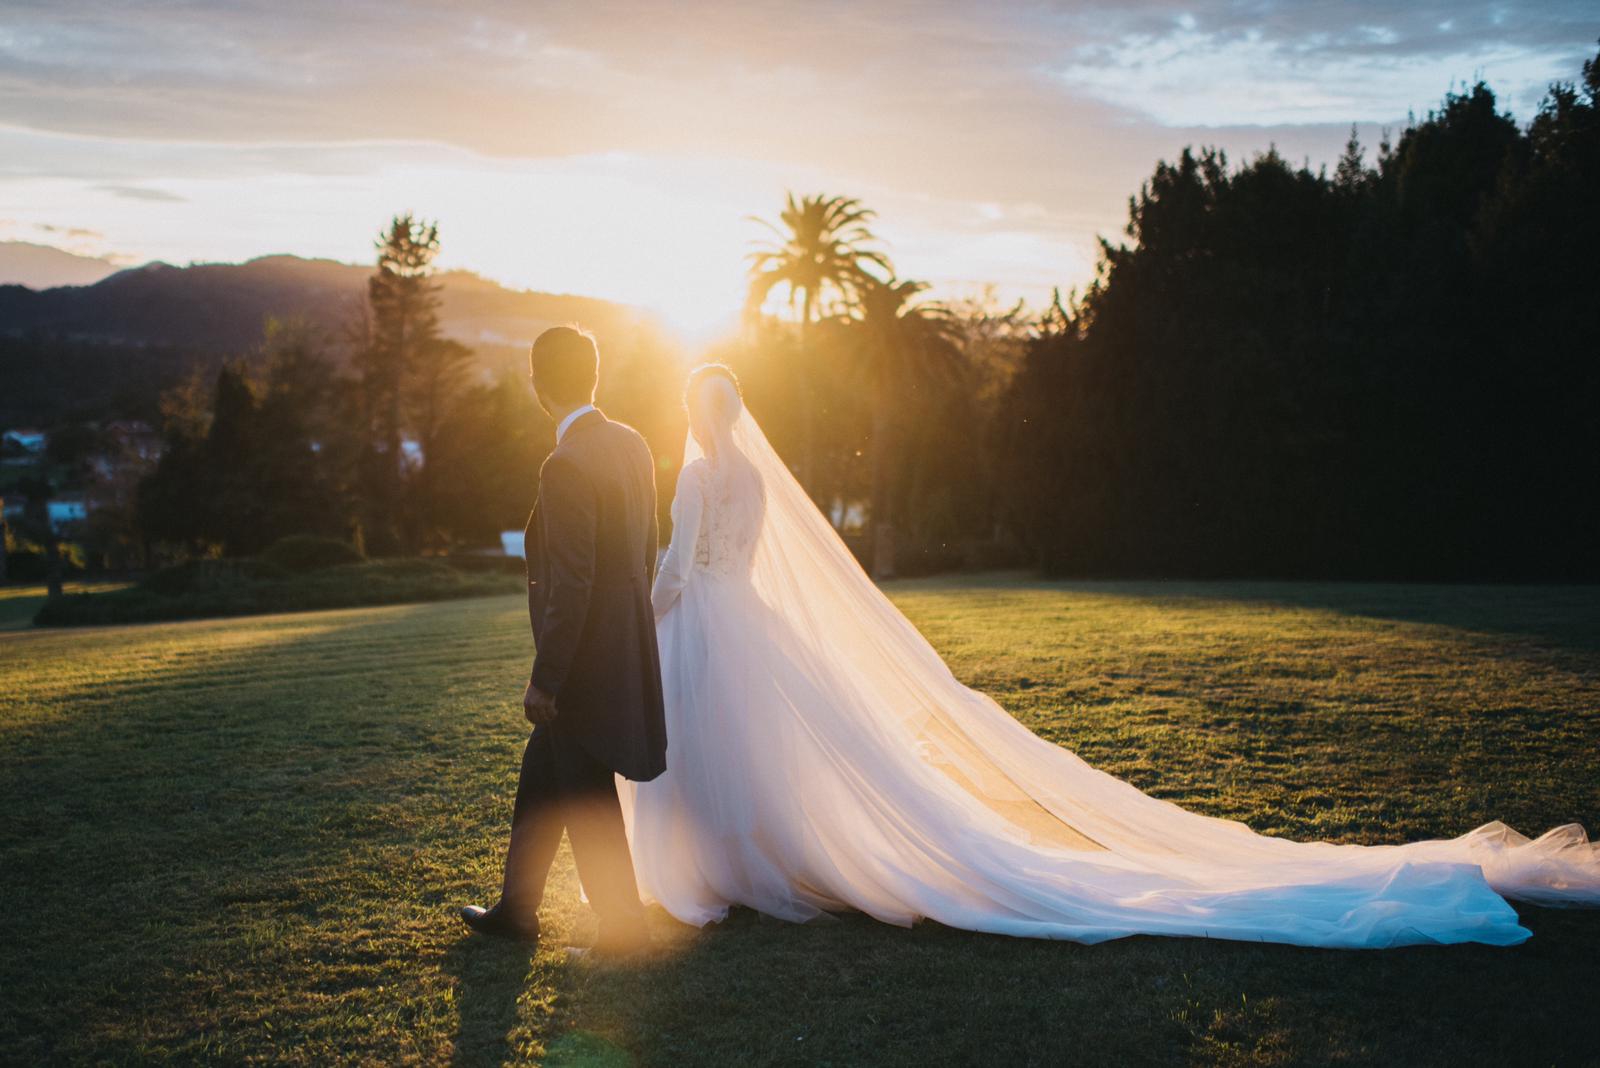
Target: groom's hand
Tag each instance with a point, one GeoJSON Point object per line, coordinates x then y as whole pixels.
{"type": "Point", "coordinates": [538, 706]}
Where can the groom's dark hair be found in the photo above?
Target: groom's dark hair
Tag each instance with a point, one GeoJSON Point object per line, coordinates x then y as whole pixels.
{"type": "Point", "coordinates": [565, 364]}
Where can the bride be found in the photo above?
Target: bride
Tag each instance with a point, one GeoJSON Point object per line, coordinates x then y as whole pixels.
{"type": "Point", "coordinates": [824, 758]}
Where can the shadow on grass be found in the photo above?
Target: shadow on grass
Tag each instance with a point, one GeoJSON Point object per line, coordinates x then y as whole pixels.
{"type": "Point", "coordinates": [1567, 617]}
{"type": "Point", "coordinates": [1562, 616]}
{"type": "Point", "coordinates": [490, 978]}
{"type": "Point", "coordinates": [757, 992]}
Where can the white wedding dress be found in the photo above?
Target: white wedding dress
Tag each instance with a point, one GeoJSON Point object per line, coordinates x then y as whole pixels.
{"type": "Point", "coordinates": [823, 758]}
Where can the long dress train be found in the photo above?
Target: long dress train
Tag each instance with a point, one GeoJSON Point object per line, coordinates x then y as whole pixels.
{"type": "Point", "coordinates": [822, 757]}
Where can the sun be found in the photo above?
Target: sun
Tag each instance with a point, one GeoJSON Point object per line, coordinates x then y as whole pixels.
{"type": "Point", "coordinates": [631, 231]}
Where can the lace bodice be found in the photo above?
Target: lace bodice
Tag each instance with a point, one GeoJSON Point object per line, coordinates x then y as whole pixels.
{"type": "Point", "coordinates": [716, 522]}
{"type": "Point", "coordinates": [729, 525]}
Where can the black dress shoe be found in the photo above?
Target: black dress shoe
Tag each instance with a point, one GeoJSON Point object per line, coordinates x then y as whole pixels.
{"type": "Point", "coordinates": [497, 923]}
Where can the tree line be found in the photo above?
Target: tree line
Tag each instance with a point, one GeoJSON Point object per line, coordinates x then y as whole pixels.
{"type": "Point", "coordinates": [1390, 371]}
{"type": "Point", "coordinates": [384, 433]}
{"type": "Point", "coordinates": [1386, 371]}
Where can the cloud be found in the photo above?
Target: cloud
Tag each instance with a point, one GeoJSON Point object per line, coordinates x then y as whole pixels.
{"type": "Point", "coordinates": [1041, 103]}
{"type": "Point", "coordinates": [1369, 63]}
{"type": "Point", "coordinates": [140, 192]}
{"type": "Point", "coordinates": [71, 232]}
{"type": "Point", "coordinates": [635, 75]}
{"type": "Point", "coordinates": [1002, 133]}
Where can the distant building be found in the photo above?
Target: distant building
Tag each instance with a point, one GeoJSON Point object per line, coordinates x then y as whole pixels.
{"type": "Point", "coordinates": [126, 450]}
{"type": "Point", "coordinates": [24, 443]}
{"type": "Point", "coordinates": [64, 511]}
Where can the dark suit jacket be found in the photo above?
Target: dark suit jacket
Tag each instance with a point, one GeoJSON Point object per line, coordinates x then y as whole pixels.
{"type": "Point", "coordinates": [591, 551]}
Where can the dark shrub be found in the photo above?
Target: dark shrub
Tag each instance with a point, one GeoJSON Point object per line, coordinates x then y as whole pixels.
{"type": "Point", "coordinates": [488, 562]}
{"type": "Point", "coordinates": [305, 552]}
{"type": "Point", "coordinates": [912, 561]}
{"type": "Point", "coordinates": [210, 576]}
{"type": "Point", "coordinates": [210, 588]}
{"type": "Point", "coordinates": [393, 569]}
{"type": "Point", "coordinates": [26, 566]}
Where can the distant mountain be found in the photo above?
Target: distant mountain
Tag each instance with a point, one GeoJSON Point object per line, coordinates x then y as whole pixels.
{"type": "Point", "coordinates": [220, 307]}
{"type": "Point", "coordinates": [43, 266]}
{"type": "Point", "coordinates": [108, 349]}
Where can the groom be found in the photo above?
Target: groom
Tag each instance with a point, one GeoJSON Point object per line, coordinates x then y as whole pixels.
{"type": "Point", "coordinates": [594, 698]}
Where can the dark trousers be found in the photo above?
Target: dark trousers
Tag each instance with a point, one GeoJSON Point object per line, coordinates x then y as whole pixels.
{"type": "Point", "coordinates": [563, 787]}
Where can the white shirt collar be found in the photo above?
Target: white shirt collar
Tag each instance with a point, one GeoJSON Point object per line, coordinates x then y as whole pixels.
{"type": "Point", "coordinates": [572, 417]}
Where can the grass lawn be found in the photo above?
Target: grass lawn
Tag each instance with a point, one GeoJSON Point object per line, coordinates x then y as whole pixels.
{"type": "Point", "coordinates": [244, 840]}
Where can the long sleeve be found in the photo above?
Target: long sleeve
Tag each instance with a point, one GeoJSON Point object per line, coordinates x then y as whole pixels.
{"type": "Point", "coordinates": [688, 506]}
{"type": "Point", "coordinates": [567, 508]}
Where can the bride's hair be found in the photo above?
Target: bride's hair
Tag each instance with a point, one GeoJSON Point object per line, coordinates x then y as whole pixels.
{"type": "Point", "coordinates": [721, 406]}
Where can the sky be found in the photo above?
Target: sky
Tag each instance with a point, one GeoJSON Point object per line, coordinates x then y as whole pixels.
{"type": "Point", "coordinates": [618, 149]}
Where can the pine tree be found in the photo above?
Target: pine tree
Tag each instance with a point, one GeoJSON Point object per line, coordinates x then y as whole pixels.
{"type": "Point", "coordinates": [403, 300]}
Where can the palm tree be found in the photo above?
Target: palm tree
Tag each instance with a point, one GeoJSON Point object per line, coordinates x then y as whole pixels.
{"type": "Point", "coordinates": [819, 251]}
{"type": "Point", "coordinates": [908, 341]}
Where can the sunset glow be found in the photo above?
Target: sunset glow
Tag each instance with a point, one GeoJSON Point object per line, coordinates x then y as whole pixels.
{"type": "Point", "coordinates": [848, 533]}
{"type": "Point", "coordinates": [618, 153]}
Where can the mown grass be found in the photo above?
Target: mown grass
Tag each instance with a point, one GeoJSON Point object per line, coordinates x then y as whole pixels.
{"type": "Point", "coordinates": [243, 840]}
